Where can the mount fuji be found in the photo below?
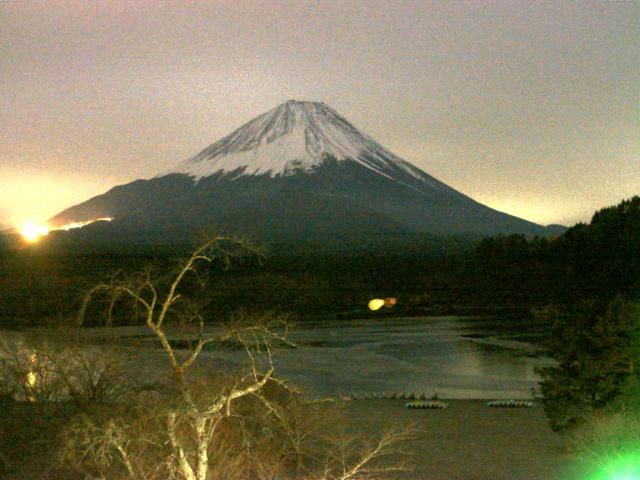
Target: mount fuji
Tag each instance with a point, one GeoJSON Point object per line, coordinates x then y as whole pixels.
{"type": "Point", "coordinates": [299, 171]}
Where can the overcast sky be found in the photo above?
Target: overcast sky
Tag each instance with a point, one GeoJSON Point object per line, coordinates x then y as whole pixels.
{"type": "Point", "coordinates": [532, 107]}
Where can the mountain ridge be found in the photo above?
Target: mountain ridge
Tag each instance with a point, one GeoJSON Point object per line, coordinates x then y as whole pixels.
{"type": "Point", "coordinates": [296, 152]}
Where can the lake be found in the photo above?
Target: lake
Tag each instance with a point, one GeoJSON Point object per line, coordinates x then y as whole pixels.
{"type": "Point", "coordinates": [452, 357]}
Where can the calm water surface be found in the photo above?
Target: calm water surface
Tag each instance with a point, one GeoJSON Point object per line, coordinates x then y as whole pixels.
{"type": "Point", "coordinates": [452, 357]}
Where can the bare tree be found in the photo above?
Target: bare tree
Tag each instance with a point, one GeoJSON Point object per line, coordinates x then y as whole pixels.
{"type": "Point", "coordinates": [223, 421]}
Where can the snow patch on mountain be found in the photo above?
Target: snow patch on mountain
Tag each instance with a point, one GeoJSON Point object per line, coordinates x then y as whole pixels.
{"type": "Point", "coordinates": [292, 137]}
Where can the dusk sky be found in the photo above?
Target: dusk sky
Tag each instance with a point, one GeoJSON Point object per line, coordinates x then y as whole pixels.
{"type": "Point", "coordinates": [532, 108]}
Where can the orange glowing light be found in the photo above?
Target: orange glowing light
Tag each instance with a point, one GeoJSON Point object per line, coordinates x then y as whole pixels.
{"type": "Point", "coordinates": [376, 304]}
{"type": "Point", "coordinates": [73, 225]}
{"type": "Point", "coordinates": [32, 232]}
{"type": "Point", "coordinates": [390, 302]}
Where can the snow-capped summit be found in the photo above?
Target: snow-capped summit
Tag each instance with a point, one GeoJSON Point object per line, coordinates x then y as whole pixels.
{"type": "Point", "coordinates": [292, 137]}
{"type": "Point", "coordinates": [300, 171]}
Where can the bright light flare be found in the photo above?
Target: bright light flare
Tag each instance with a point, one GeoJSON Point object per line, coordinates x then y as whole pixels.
{"type": "Point", "coordinates": [376, 304]}
{"type": "Point", "coordinates": [623, 466]}
{"type": "Point", "coordinates": [32, 232]}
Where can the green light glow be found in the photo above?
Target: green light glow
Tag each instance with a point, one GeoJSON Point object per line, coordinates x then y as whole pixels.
{"type": "Point", "coordinates": [623, 466]}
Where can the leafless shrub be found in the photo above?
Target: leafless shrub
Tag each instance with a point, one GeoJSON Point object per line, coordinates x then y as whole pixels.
{"type": "Point", "coordinates": [61, 367]}
{"type": "Point", "coordinates": [122, 443]}
{"type": "Point", "coordinates": [26, 375]}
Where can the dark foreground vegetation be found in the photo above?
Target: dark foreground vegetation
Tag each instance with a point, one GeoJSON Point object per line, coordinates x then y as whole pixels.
{"type": "Point", "coordinates": [584, 285]}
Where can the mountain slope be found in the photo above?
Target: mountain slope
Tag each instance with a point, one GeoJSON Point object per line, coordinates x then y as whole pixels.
{"type": "Point", "coordinates": [298, 171]}
{"type": "Point", "coordinates": [297, 136]}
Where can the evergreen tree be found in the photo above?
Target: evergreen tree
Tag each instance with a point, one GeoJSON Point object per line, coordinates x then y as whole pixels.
{"type": "Point", "coordinates": [597, 358]}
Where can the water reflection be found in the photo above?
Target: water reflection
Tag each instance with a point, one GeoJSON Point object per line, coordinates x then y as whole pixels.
{"type": "Point", "coordinates": [426, 355]}
{"type": "Point", "coordinates": [453, 357]}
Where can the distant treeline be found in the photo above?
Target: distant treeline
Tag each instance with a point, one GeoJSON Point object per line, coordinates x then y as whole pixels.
{"type": "Point", "coordinates": [427, 275]}
{"type": "Point", "coordinates": [595, 261]}
{"type": "Point", "coordinates": [38, 286]}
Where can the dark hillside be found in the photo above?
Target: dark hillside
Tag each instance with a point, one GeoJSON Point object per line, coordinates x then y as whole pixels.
{"type": "Point", "coordinates": [594, 261]}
